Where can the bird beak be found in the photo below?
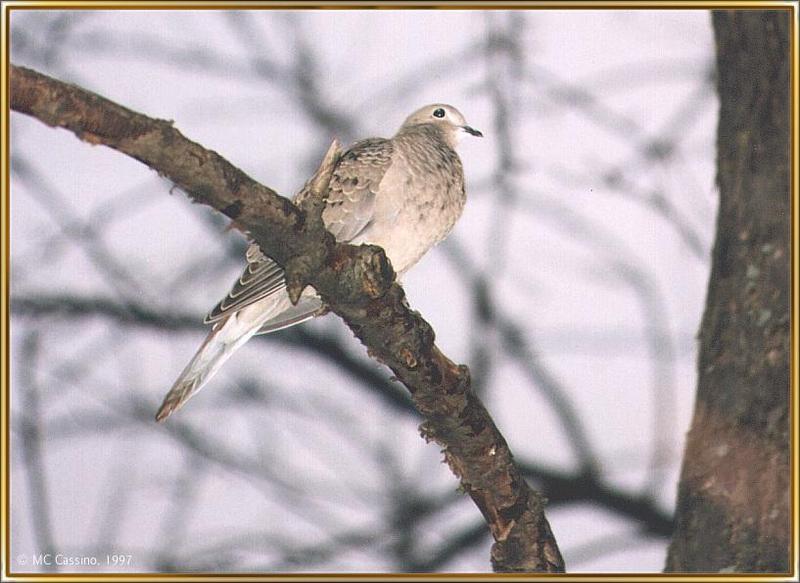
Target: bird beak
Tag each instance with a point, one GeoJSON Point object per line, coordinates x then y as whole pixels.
{"type": "Point", "coordinates": [472, 131]}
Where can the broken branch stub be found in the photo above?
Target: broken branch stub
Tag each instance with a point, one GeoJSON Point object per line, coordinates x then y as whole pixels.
{"type": "Point", "coordinates": [311, 200]}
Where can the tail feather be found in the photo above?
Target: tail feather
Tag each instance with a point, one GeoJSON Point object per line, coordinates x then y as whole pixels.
{"type": "Point", "coordinates": [306, 308]}
{"type": "Point", "coordinates": [224, 339]}
{"type": "Point", "coordinates": [270, 314]}
{"type": "Point", "coordinates": [209, 358]}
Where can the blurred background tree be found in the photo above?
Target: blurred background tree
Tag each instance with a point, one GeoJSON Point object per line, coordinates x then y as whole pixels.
{"type": "Point", "coordinates": [733, 508]}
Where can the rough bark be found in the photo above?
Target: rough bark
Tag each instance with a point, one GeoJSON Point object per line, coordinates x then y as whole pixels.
{"type": "Point", "coordinates": [733, 501]}
{"type": "Point", "coordinates": [357, 283]}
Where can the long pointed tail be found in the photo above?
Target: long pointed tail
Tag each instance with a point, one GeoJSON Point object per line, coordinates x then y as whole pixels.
{"type": "Point", "coordinates": [227, 336]}
{"type": "Point", "coordinates": [218, 346]}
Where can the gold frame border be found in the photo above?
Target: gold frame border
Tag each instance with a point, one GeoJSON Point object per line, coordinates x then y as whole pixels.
{"type": "Point", "coordinates": [5, 272]}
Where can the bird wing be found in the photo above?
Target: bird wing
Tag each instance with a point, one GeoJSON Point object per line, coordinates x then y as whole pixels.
{"type": "Point", "coordinates": [349, 210]}
{"type": "Point", "coordinates": [261, 277]}
{"type": "Point", "coordinates": [355, 183]}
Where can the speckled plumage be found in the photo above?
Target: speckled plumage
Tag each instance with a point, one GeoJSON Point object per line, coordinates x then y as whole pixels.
{"type": "Point", "coordinates": [403, 194]}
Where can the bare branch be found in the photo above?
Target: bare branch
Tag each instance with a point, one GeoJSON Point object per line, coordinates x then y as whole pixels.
{"type": "Point", "coordinates": [356, 282]}
{"type": "Point", "coordinates": [31, 436]}
{"type": "Point", "coordinates": [558, 487]}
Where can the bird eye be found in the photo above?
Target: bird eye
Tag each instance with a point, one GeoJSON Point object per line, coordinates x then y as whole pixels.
{"type": "Point", "coordinates": [438, 112]}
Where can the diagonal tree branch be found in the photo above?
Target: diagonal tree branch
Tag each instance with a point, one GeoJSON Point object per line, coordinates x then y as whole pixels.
{"type": "Point", "coordinates": [357, 283]}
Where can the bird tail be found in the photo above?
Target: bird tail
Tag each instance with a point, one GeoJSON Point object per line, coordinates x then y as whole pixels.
{"type": "Point", "coordinates": [305, 309]}
{"type": "Point", "coordinates": [268, 315]}
{"type": "Point", "coordinates": [223, 340]}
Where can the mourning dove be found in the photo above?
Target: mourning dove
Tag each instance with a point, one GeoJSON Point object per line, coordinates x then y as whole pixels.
{"type": "Point", "coordinates": [403, 194]}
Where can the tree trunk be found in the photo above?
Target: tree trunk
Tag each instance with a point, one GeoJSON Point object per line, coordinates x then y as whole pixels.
{"type": "Point", "coordinates": [733, 501]}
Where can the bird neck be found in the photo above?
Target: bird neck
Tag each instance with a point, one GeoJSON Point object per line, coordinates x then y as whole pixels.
{"type": "Point", "coordinates": [428, 131]}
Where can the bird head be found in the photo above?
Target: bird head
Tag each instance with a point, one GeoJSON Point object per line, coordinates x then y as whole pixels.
{"type": "Point", "coordinates": [446, 117]}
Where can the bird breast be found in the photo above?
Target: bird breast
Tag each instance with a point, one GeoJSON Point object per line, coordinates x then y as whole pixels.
{"type": "Point", "coordinates": [420, 198]}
